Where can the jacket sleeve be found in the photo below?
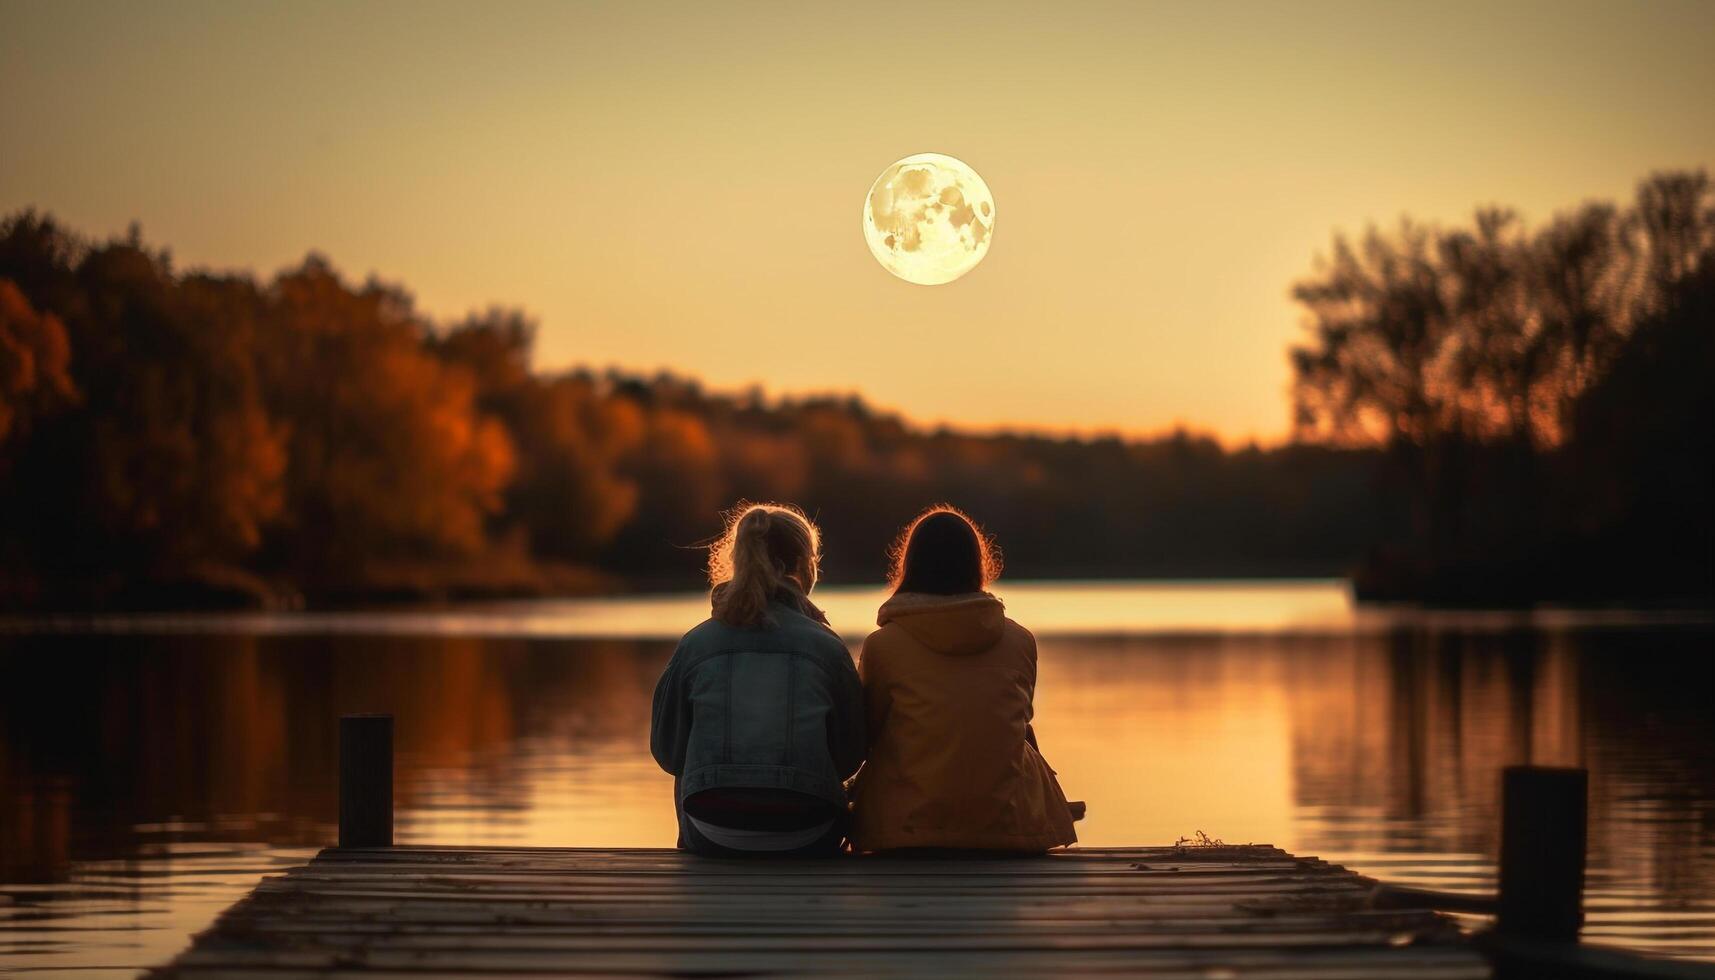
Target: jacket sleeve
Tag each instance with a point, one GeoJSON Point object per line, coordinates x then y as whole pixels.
{"type": "Point", "coordinates": [1030, 678]}
{"type": "Point", "coordinates": [1030, 692]}
{"type": "Point", "coordinates": [846, 736]}
{"type": "Point", "coordinates": [876, 698]}
{"type": "Point", "coordinates": [670, 724]}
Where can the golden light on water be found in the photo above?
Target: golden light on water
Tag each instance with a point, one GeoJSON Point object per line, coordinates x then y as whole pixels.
{"type": "Point", "coordinates": [929, 218]}
{"type": "Point", "coordinates": [1252, 711]}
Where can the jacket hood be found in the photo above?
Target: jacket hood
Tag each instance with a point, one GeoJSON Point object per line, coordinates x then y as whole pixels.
{"type": "Point", "coordinates": [951, 624]}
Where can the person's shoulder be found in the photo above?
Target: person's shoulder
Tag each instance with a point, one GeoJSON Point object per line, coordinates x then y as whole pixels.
{"type": "Point", "coordinates": [818, 636]}
{"type": "Point", "coordinates": [886, 635]}
{"type": "Point", "coordinates": [880, 651]}
{"type": "Point", "coordinates": [705, 636]}
{"type": "Point", "coordinates": [1015, 631]}
{"type": "Point", "coordinates": [885, 642]}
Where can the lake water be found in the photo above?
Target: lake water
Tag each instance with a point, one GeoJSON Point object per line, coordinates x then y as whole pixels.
{"type": "Point", "coordinates": [153, 768]}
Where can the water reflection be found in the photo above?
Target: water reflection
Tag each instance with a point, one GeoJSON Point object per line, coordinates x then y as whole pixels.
{"type": "Point", "coordinates": [148, 779]}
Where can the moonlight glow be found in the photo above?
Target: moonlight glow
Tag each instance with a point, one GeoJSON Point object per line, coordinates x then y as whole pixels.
{"type": "Point", "coordinates": [928, 219]}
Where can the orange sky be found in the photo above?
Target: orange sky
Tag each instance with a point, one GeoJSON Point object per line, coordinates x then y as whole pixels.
{"type": "Point", "coordinates": [678, 185]}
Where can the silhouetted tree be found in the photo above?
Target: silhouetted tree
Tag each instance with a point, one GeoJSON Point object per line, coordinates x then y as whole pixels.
{"type": "Point", "coordinates": [1494, 364]}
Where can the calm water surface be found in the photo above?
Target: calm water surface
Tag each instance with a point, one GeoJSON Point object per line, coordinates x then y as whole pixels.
{"type": "Point", "coordinates": [153, 768]}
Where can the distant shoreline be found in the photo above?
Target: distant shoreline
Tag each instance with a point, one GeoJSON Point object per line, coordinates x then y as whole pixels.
{"type": "Point", "coordinates": [1051, 607]}
{"type": "Point", "coordinates": [427, 593]}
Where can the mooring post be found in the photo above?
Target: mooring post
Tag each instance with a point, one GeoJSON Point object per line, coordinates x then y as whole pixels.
{"type": "Point", "coordinates": [366, 781]}
{"type": "Point", "coordinates": [1543, 813]}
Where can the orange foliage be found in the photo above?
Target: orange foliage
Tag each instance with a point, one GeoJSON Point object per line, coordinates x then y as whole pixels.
{"type": "Point", "coordinates": [34, 357]}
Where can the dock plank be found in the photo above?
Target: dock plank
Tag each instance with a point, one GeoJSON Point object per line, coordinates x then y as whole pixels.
{"type": "Point", "coordinates": [1249, 911]}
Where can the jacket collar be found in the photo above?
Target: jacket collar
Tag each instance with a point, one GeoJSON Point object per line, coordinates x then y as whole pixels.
{"type": "Point", "coordinates": [954, 624]}
{"type": "Point", "coordinates": [794, 598]}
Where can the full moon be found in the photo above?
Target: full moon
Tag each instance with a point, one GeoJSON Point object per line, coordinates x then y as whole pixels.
{"type": "Point", "coordinates": [928, 218]}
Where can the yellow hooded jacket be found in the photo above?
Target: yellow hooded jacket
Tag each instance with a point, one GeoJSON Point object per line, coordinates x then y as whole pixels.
{"type": "Point", "coordinates": [948, 682]}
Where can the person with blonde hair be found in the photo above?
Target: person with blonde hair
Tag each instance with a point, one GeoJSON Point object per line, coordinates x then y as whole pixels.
{"type": "Point", "coordinates": [949, 682]}
{"type": "Point", "coordinates": [759, 714]}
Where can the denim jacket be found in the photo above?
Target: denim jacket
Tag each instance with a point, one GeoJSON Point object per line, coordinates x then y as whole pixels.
{"type": "Point", "coordinates": [778, 707]}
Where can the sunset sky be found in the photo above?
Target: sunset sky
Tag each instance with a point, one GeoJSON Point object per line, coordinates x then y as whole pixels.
{"type": "Point", "coordinates": [680, 186]}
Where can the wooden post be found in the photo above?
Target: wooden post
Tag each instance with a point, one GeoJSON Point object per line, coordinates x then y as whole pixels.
{"type": "Point", "coordinates": [366, 781]}
{"type": "Point", "coordinates": [1542, 853]}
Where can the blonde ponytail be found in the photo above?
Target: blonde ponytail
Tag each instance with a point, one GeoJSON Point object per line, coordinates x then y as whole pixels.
{"type": "Point", "coordinates": [766, 550]}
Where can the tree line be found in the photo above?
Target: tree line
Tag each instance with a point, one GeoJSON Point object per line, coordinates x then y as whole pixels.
{"type": "Point", "coordinates": [1543, 398]}
{"type": "Point", "coordinates": [1483, 414]}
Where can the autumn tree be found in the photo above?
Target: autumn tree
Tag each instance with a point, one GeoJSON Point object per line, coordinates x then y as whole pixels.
{"type": "Point", "coordinates": [568, 496]}
{"type": "Point", "coordinates": [34, 360]}
{"type": "Point", "coordinates": [167, 466]}
{"type": "Point", "coordinates": [390, 456]}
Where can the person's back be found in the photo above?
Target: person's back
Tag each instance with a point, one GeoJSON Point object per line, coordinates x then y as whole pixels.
{"type": "Point", "coordinates": [759, 715]}
{"type": "Point", "coordinates": [948, 686]}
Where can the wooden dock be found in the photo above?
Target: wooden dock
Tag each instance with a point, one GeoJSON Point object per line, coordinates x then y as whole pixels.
{"type": "Point", "coordinates": [1203, 912]}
